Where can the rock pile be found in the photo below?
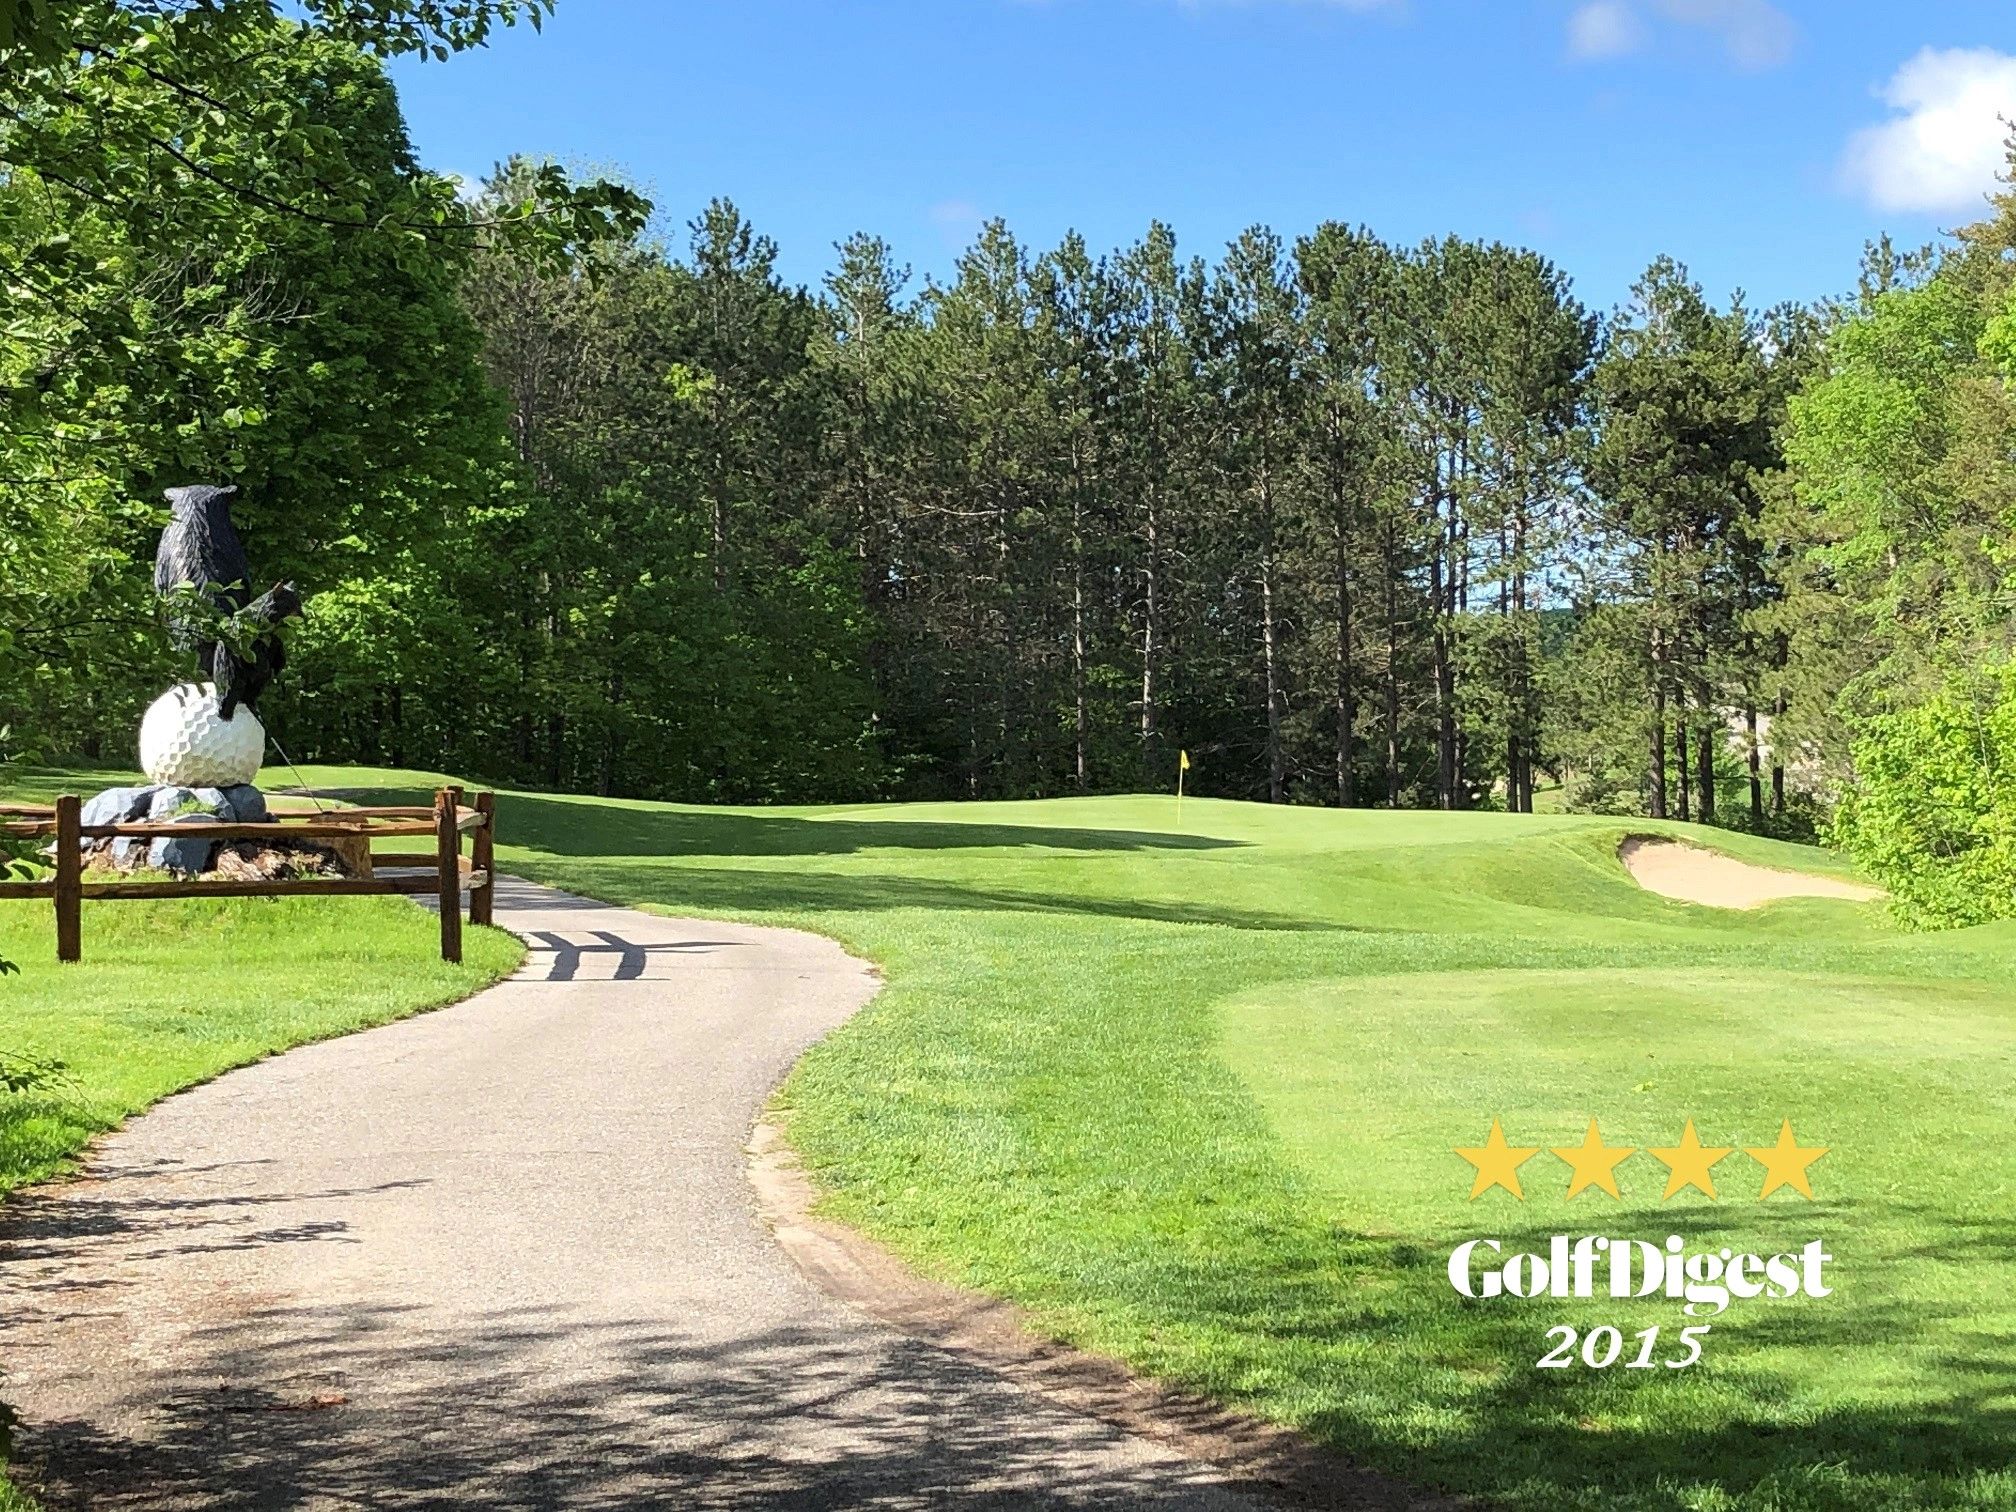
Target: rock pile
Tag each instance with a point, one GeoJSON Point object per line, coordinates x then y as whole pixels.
{"type": "Point", "coordinates": [239, 860]}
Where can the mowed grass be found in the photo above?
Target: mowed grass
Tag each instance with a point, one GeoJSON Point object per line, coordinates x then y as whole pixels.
{"type": "Point", "coordinates": [1190, 1094]}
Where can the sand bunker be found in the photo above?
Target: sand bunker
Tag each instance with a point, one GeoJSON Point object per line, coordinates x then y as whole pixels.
{"type": "Point", "coordinates": [1692, 875]}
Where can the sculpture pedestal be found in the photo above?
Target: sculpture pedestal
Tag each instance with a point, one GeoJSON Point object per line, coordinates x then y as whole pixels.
{"type": "Point", "coordinates": [275, 860]}
{"type": "Point", "coordinates": [168, 803]}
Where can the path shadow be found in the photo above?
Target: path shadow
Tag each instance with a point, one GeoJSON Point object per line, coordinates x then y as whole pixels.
{"type": "Point", "coordinates": [628, 961]}
{"type": "Point", "coordinates": [531, 1407]}
{"type": "Point", "coordinates": [48, 1232]}
{"type": "Point", "coordinates": [543, 1407]}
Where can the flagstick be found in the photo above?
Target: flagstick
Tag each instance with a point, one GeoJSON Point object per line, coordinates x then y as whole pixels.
{"type": "Point", "coordinates": [1179, 797]}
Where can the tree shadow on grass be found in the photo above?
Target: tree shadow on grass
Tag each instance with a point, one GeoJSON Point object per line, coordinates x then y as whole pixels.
{"type": "Point", "coordinates": [563, 826]}
{"type": "Point", "coordinates": [714, 889]}
{"type": "Point", "coordinates": [536, 1407]}
{"type": "Point", "coordinates": [1395, 1370]}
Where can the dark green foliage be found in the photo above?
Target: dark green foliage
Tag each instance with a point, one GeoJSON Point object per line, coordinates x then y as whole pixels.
{"type": "Point", "coordinates": [222, 261]}
{"type": "Point", "coordinates": [1933, 807]}
{"type": "Point", "coordinates": [1899, 602]}
{"type": "Point", "coordinates": [27, 1073]}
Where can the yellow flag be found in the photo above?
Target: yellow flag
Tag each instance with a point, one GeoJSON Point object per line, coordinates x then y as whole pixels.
{"type": "Point", "coordinates": [1183, 763]}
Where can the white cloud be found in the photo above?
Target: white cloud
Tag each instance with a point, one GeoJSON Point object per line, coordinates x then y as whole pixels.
{"type": "Point", "coordinates": [1945, 145]}
{"type": "Point", "coordinates": [1604, 29]}
{"type": "Point", "coordinates": [1754, 33]}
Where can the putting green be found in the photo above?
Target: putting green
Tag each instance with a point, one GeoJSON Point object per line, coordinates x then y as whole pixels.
{"type": "Point", "coordinates": [1439, 1054]}
{"type": "Point", "coordinates": [1370, 1085]}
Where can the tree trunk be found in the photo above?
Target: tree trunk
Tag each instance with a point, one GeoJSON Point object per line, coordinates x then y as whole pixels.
{"type": "Point", "coordinates": [1007, 724]}
{"type": "Point", "coordinates": [1392, 672]}
{"type": "Point", "coordinates": [1151, 645]}
{"type": "Point", "coordinates": [1521, 777]}
{"type": "Point", "coordinates": [1656, 778]}
{"type": "Point", "coordinates": [1756, 773]}
{"type": "Point", "coordinates": [1445, 692]}
{"type": "Point", "coordinates": [1277, 771]}
{"type": "Point", "coordinates": [1081, 722]}
{"type": "Point", "coordinates": [1510, 594]}
{"type": "Point", "coordinates": [720, 509]}
{"type": "Point", "coordinates": [1684, 788]}
{"type": "Point", "coordinates": [1277, 775]}
{"type": "Point", "coordinates": [1705, 742]}
{"type": "Point", "coordinates": [1777, 763]}
{"type": "Point", "coordinates": [1347, 699]}
{"type": "Point", "coordinates": [1459, 605]}
{"type": "Point", "coordinates": [612, 741]}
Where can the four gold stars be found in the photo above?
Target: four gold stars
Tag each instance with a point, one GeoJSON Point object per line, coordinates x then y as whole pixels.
{"type": "Point", "coordinates": [1689, 1164]}
{"type": "Point", "coordinates": [1497, 1164]}
{"type": "Point", "coordinates": [1785, 1163]}
{"type": "Point", "coordinates": [1595, 1163]}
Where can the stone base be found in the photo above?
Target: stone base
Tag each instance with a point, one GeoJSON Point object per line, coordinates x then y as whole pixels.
{"type": "Point", "coordinates": [239, 860]}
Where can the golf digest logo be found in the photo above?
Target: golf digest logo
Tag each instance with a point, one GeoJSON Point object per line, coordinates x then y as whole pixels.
{"type": "Point", "coordinates": [1705, 1282]}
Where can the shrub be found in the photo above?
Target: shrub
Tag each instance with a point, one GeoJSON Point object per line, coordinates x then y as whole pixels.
{"type": "Point", "coordinates": [1932, 812]}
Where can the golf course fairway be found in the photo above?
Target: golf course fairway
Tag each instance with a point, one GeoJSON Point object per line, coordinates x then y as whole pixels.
{"type": "Point", "coordinates": [1192, 1095]}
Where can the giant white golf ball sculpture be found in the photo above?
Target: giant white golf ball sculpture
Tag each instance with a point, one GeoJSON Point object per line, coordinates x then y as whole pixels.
{"type": "Point", "coordinates": [185, 740]}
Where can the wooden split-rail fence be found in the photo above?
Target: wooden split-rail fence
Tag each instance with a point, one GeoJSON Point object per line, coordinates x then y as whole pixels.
{"type": "Point", "coordinates": [442, 872]}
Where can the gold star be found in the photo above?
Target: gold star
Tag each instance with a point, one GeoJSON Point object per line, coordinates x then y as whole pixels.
{"type": "Point", "coordinates": [1497, 1163]}
{"type": "Point", "coordinates": [1595, 1163]}
{"type": "Point", "coordinates": [1785, 1163]}
{"type": "Point", "coordinates": [1688, 1162]}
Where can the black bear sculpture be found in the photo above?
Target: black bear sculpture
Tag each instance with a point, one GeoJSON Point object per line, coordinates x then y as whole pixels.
{"type": "Point", "coordinates": [200, 551]}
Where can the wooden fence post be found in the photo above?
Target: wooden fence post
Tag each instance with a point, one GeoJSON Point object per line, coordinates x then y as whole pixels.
{"type": "Point", "coordinates": [483, 857]}
{"type": "Point", "coordinates": [69, 880]}
{"type": "Point", "coordinates": [448, 856]}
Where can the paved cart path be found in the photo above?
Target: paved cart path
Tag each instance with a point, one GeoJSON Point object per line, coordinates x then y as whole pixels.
{"type": "Point", "coordinates": [507, 1255]}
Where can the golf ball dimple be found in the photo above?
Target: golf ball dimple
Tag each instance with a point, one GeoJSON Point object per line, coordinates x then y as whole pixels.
{"type": "Point", "coordinates": [185, 741]}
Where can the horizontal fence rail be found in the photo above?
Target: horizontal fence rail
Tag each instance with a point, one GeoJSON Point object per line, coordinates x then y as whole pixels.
{"type": "Point", "coordinates": [442, 872]}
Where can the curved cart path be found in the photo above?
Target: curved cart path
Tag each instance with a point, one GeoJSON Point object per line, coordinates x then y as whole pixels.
{"type": "Point", "coordinates": [506, 1255]}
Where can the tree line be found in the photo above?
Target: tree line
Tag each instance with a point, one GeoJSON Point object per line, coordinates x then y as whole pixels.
{"type": "Point", "coordinates": [1348, 522]}
{"type": "Point", "coordinates": [585, 504]}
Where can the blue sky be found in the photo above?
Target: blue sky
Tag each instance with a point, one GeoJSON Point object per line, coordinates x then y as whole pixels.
{"type": "Point", "coordinates": [1760, 141]}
